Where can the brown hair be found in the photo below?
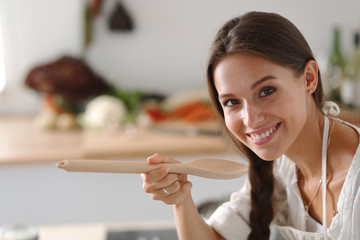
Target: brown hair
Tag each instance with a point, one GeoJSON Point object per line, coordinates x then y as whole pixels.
{"type": "Point", "coordinates": [275, 38]}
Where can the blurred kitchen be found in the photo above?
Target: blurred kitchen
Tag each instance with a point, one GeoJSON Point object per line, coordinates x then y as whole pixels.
{"type": "Point", "coordinates": [123, 79]}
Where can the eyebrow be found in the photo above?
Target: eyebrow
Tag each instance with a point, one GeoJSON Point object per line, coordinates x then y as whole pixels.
{"type": "Point", "coordinates": [254, 85]}
{"type": "Point", "coordinates": [261, 80]}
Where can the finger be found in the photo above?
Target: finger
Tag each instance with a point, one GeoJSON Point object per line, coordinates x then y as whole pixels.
{"type": "Point", "coordinates": [166, 191]}
{"type": "Point", "coordinates": [171, 189]}
{"type": "Point", "coordinates": [180, 195]}
{"type": "Point", "coordinates": [163, 193]}
{"type": "Point", "coordinates": [164, 182]}
{"type": "Point", "coordinates": [183, 178]}
{"type": "Point", "coordinates": [155, 175]}
{"type": "Point", "coordinates": [158, 158]}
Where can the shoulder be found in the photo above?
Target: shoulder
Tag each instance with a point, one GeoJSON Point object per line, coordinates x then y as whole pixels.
{"type": "Point", "coordinates": [343, 144]}
{"type": "Point", "coordinates": [350, 131]}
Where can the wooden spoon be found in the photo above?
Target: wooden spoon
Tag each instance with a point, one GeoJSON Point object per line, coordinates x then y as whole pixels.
{"type": "Point", "coordinates": [208, 168]}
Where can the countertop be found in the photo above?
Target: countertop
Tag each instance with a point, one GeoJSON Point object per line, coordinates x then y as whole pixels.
{"type": "Point", "coordinates": [22, 142]}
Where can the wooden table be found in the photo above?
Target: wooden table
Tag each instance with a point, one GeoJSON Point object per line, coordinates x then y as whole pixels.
{"type": "Point", "coordinates": [22, 142]}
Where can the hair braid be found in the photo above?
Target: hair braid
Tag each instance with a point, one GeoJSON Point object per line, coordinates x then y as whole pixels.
{"type": "Point", "coordinates": [262, 187]}
{"type": "Point", "coordinates": [261, 178]}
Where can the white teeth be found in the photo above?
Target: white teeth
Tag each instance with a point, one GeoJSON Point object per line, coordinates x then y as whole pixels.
{"type": "Point", "coordinates": [257, 137]}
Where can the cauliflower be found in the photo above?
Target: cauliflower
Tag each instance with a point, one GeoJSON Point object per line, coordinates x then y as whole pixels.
{"type": "Point", "coordinates": [104, 113]}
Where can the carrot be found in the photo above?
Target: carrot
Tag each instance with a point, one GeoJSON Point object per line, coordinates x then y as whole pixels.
{"type": "Point", "coordinates": [195, 111]}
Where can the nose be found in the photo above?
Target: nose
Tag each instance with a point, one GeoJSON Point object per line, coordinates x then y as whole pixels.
{"type": "Point", "coordinates": [252, 115]}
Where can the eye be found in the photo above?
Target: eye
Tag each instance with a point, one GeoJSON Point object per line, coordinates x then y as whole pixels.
{"type": "Point", "coordinates": [231, 102]}
{"type": "Point", "coordinates": [267, 91]}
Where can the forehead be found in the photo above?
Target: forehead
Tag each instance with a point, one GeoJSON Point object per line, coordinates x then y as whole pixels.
{"type": "Point", "coordinates": [243, 70]}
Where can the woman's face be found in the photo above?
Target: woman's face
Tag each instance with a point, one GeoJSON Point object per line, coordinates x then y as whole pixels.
{"type": "Point", "coordinates": [264, 103]}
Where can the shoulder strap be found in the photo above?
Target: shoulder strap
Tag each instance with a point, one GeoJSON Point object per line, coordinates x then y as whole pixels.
{"type": "Point", "coordinates": [323, 165]}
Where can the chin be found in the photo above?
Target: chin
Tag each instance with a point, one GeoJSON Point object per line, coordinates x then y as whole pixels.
{"type": "Point", "coordinates": [268, 156]}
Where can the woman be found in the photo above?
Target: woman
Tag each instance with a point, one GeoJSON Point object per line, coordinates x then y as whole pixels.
{"type": "Point", "coordinates": [304, 172]}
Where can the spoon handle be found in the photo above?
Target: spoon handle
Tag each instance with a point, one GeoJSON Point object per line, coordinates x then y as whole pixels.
{"type": "Point", "coordinates": [113, 166]}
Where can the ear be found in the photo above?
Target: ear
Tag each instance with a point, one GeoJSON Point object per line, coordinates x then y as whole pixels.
{"type": "Point", "coordinates": [311, 76]}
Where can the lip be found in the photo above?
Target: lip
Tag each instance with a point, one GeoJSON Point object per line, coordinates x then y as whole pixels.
{"type": "Point", "coordinates": [263, 135]}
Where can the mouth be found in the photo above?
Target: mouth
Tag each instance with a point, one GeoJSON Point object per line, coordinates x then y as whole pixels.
{"type": "Point", "coordinates": [264, 135]}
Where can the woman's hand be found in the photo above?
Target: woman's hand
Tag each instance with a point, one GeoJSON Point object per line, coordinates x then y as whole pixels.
{"type": "Point", "coordinates": [167, 187]}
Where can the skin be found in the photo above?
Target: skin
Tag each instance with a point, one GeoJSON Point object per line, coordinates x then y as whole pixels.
{"type": "Point", "coordinates": [263, 98]}
{"type": "Point", "coordinates": [256, 97]}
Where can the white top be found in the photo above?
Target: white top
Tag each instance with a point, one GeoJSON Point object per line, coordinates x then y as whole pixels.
{"type": "Point", "coordinates": [231, 219]}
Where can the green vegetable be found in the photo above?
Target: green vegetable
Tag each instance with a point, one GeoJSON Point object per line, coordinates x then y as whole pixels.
{"type": "Point", "coordinates": [131, 99]}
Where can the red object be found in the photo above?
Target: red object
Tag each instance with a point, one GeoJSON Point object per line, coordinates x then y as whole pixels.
{"type": "Point", "coordinates": [156, 114]}
{"type": "Point", "coordinates": [191, 112]}
{"type": "Point", "coordinates": [50, 102]}
{"type": "Point", "coordinates": [96, 7]}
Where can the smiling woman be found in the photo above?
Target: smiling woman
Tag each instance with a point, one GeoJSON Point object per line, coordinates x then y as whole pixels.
{"type": "Point", "coordinates": [266, 87]}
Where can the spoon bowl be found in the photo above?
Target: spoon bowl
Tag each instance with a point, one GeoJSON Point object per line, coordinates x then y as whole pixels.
{"type": "Point", "coordinates": [208, 168]}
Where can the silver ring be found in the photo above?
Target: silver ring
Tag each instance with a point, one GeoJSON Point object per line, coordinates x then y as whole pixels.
{"type": "Point", "coordinates": [166, 191]}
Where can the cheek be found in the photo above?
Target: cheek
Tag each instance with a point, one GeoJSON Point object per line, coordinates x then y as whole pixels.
{"type": "Point", "coordinates": [294, 112]}
{"type": "Point", "coordinates": [296, 108]}
{"type": "Point", "coordinates": [234, 125]}
{"type": "Point", "coordinates": [228, 123]}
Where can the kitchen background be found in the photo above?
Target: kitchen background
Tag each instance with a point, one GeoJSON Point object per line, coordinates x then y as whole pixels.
{"type": "Point", "coordinates": [166, 50]}
{"type": "Point", "coordinates": [165, 53]}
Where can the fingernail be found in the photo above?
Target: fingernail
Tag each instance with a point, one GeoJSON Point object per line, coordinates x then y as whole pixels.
{"type": "Point", "coordinates": [167, 170]}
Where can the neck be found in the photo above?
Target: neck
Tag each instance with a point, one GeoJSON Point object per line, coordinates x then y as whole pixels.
{"type": "Point", "coordinates": [306, 151]}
